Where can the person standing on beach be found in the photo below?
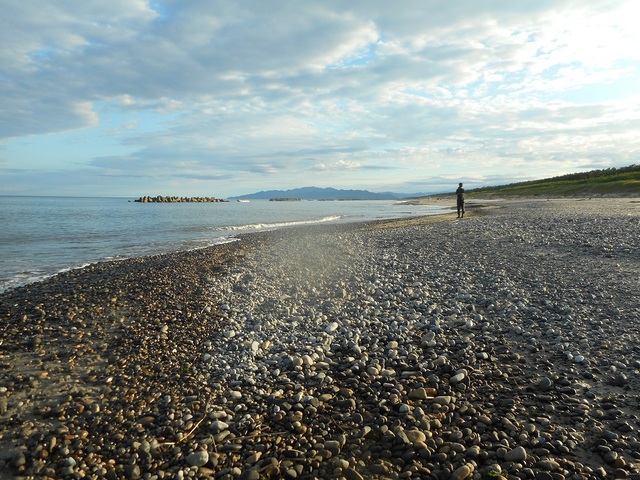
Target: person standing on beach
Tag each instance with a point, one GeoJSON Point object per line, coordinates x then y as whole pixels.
{"type": "Point", "coordinates": [460, 200]}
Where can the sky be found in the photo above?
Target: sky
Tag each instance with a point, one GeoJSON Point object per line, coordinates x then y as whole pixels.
{"type": "Point", "coordinates": [219, 98]}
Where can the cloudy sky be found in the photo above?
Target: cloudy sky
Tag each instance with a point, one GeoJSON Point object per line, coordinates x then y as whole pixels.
{"type": "Point", "coordinates": [222, 98]}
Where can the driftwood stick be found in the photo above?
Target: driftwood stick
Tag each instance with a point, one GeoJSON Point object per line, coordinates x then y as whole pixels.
{"type": "Point", "coordinates": [256, 435]}
{"type": "Point", "coordinates": [189, 433]}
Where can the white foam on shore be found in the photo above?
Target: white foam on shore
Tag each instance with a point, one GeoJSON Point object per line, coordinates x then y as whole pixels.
{"type": "Point", "coordinates": [266, 226]}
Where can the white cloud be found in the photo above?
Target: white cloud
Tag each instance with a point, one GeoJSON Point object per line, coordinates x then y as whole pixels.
{"type": "Point", "coordinates": [264, 88]}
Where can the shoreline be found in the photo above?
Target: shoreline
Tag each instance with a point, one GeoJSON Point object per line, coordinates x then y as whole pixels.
{"type": "Point", "coordinates": [441, 348]}
{"type": "Point", "coordinates": [29, 262]}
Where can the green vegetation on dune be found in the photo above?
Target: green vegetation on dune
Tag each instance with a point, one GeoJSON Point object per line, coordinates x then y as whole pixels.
{"type": "Point", "coordinates": [623, 181]}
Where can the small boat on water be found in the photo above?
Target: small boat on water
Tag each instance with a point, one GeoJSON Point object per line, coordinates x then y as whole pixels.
{"type": "Point", "coordinates": [243, 200]}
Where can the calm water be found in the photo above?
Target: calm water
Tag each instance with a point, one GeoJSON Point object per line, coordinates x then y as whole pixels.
{"type": "Point", "coordinates": [41, 236]}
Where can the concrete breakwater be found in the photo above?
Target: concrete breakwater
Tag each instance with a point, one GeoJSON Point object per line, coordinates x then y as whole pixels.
{"type": "Point", "coordinates": [504, 345]}
{"type": "Point", "coordinates": [173, 199]}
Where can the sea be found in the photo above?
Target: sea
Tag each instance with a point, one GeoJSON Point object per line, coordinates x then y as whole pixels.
{"type": "Point", "coordinates": [43, 236]}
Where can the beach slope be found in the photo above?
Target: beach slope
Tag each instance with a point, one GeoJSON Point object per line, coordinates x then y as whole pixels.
{"type": "Point", "coordinates": [503, 344]}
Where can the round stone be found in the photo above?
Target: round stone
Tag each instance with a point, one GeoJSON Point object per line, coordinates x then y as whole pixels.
{"type": "Point", "coordinates": [198, 459]}
{"type": "Point", "coordinates": [518, 454]}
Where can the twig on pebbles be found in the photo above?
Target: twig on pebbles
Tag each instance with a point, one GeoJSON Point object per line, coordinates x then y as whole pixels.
{"type": "Point", "coordinates": [259, 435]}
{"type": "Point", "coordinates": [339, 426]}
{"type": "Point", "coordinates": [188, 434]}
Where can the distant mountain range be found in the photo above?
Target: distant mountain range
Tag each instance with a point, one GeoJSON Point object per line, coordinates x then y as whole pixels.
{"type": "Point", "coordinates": [315, 193]}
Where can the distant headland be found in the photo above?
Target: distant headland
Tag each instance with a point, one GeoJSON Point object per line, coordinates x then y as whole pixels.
{"type": "Point", "coordinates": [169, 199]}
{"type": "Point", "coordinates": [315, 193]}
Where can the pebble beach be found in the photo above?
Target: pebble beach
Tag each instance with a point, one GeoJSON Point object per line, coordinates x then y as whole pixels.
{"type": "Point", "coordinates": [504, 345]}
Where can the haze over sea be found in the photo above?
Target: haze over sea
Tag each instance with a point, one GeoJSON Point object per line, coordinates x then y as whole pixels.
{"type": "Point", "coordinates": [41, 236]}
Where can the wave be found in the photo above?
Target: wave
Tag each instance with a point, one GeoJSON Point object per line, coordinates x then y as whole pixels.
{"type": "Point", "coordinates": [266, 226]}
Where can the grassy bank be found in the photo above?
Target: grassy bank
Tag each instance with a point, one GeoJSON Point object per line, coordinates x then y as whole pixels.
{"type": "Point", "coordinates": [612, 181]}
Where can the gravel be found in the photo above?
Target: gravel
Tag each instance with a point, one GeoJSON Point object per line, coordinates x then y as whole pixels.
{"type": "Point", "coordinates": [502, 345]}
